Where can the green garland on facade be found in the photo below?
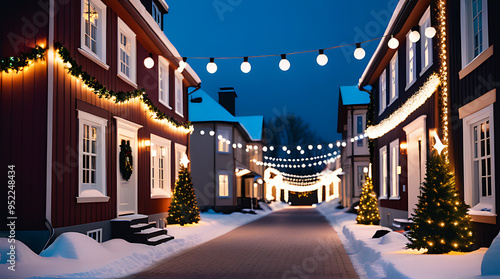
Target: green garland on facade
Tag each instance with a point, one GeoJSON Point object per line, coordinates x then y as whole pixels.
{"type": "Point", "coordinates": [17, 63]}
{"type": "Point", "coordinates": [118, 97]}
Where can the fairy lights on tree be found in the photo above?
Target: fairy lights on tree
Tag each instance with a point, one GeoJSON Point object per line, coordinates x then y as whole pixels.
{"type": "Point", "coordinates": [368, 213]}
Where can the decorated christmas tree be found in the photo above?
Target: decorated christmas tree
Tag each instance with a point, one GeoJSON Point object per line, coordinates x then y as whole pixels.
{"type": "Point", "coordinates": [368, 210]}
{"type": "Point", "coordinates": [440, 222]}
{"type": "Point", "coordinates": [183, 207]}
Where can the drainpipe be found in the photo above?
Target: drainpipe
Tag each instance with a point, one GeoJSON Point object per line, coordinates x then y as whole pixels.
{"type": "Point", "coordinates": [215, 168]}
{"type": "Point", "coordinates": [352, 153]}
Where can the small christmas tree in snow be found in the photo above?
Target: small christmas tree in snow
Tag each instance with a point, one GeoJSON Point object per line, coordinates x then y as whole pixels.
{"type": "Point", "coordinates": [368, 210]}
{"type": "Point", "coordinates": [440, 222]}
{"type": "Point", "coordinates": [183, 207]}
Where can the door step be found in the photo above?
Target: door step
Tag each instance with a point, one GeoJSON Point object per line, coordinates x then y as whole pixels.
{"type": "Point", "coordinates": [136, 229]}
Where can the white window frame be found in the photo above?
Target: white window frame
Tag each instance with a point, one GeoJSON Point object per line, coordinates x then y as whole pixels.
{"type": "Point", "coordinates": [164, 79]}
{"type": "Point", "coordinates": [85, 118]}
{"type": "Point", "coordinates": [357, 175]}
{"type": "Point", "coordinates": [180, 150]}
{"type": "Point", "coordinates": [155, 12]}
{"type": "Point", "coordinates": [394, 164]}
{"type": "Point", "coordinates": [393, 79]}
{"type": "Point", "coordinates": [229, 180]}
{"type": "Point", "coordinates": [166, 191]}
{"type": "Point", "coordinates": [225, 134]}
{"type": "Point", "coordinates": [382, 92]}
{"type": "Point", "coordinates": [179, 94]}
{"type": "Point", "coordinates": [384, 172]}
{"type": "Point", "coordinates": [356, 133]}
{"type": "Point", "coordinates": [95, 234]}
{"type": "Point", "coordinates": [100, 55]}
{"type": "Point", "coordinates": [469, 191]}
{"type": "Point", "coordinates": [424, 23]}
{"type": "Point", "coordinates": [127, 32]}
{"type": "Point", "coordinates": [466, 25]}
{"type": "Point", "coordinates": [411, 62]}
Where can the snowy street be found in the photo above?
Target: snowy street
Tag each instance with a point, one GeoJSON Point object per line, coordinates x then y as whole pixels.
{"type": "Point", "coordinates": [295, 242]}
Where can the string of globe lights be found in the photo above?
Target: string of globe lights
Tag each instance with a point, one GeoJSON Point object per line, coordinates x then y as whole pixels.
{"type": "Point", "coordinates": [296, 165]}
{"type": "Point", "coordinates": [287, 148]}
{"type": "Point", "coordinates": [279, 159]}
{"type": "Point", "coordinates": [321, 59]}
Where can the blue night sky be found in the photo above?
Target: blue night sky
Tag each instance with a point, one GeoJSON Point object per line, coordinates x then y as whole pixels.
{"type": "Point", "coordinates": [221, 28]}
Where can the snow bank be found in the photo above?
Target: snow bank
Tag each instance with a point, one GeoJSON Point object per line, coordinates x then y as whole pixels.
{"type": "Point", "coordinates": [387, 257]}
{"type": "Point", "coordinates": [77, 255]}
{"type": "Point", "coordinates": [491, 259]}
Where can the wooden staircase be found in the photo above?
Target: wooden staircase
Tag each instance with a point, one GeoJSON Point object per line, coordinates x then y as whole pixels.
{"type": "Point", "coordinates": [135, 228]}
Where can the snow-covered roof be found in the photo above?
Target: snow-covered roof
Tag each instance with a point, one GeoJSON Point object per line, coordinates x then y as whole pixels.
{"type": "Point", "coordinates": [211, 110]}
{"type": "Point", "coordinates": [351, 95]}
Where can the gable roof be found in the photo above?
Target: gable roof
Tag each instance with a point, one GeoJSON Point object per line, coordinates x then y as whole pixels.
{"type": "Point", "coordinates": [351, 95]}
{"type": "Point", "coordinates": [210, 110]}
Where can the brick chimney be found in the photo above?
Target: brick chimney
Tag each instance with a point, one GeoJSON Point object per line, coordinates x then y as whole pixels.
{"type": "Point", "coordinates": [227, 97]}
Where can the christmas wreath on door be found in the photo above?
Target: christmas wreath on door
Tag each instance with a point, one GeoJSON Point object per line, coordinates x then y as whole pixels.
{"type": "Point", "coordinates": [126, 160]}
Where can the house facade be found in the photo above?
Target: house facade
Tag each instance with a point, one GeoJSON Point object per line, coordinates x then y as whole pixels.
{"type": "Point", "coordinates": [355, 159]}
{"type": "Point", "coordinates": [96, 130]}
{"type": "Point", "coordinates": [405, 81]}
{"type": "Point", "coordinates": [474, 76]}
{"type": "Point", "coordinates": [224, 152]}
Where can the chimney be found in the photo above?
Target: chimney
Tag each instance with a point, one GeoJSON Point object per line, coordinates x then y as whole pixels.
{"type": "Point", "coordinates": [227, 97]}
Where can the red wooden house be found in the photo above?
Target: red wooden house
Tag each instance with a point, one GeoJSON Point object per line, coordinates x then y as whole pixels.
{"type": "Point", "coordinates": [70, 119]}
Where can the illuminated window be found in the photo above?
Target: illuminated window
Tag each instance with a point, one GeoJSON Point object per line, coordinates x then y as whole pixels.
{"type": "Point", "coordinates": [394, 163]}
{"type": "Point", "coordinates": [180, 150]}
{"type": "Point", "coordinates": [360, 128]}
{"type": "Point", "coordinates": [163, 82]}
{"type": "Point", "coordinates": [126, 52]}
{"type": "Point", "coordinates": [92, 156]}
{"type": "Point", "coordinates": [411, 61]}
{"type": "Point", "coordinates": [160, 167]}
{"type": "Point", "coordinates": [223, 185]}
{"type": "Point", "coordinates": [383, 172]}
{"type": "Point", "coordinates": [426, 43]}
{"type": "Point", "coordinates": [479, 175]}
{"type": "Point", "coordinates": [382, 92]}
{"type": "Point", "coordinates": [223, 139]}
{"type": "Point", "coordinates": [179, 96]}
{"type": "Point", "coordinates": [93, 28]}
{"type": "Point", "coordinates": [393, 78]}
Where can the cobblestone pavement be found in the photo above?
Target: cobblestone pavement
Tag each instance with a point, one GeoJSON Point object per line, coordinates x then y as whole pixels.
{"type": "Point", "coordinates": [295, 243]}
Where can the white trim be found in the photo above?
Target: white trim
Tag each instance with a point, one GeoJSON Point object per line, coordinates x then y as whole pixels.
{"type": "Point", "coordinates": [164, 4]}
{"type": "Point", "coordinates": [130, 35]}
{"type": "Point", "coordinates": [487, 112]}
{"type": "Point", "coordinates": [407, 64]}
{"type": "Point", "coordinates": [162, 62]}
{"type": "Point", "coordinates": [152, 24]}
{"type": "Point", "coordinates": [124, 123]}
{"type": "Point", "coordinates": [50, 114]}
{"type": "Point", "coordinates": [394, 60]}
{"type": "Point", "coordinates": [101, 49]}
{"type": "Point", "coordinates": [382, 98]}
{"type": "Point", "coordinates": [393, 169]}
{"type": "Point", "coordinates": [93, 57]}
{"type": "Point", "coordinates": [167, 169]}
{"type": "Point", "coordinates": [98, 233]}
{"type": "Point", "coordinates": [425, 22]}
{"type": "Point", "coordinates": [466, 29]}
{"type": "Point", "coordinates": [100, 180]}
{"type": "Point", "coordinates": [383, 188]}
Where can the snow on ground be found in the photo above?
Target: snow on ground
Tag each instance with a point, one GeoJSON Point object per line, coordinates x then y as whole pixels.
{"type": "Point", "coordinates": [76, 255]}
{"type": "Point", "coordinates": [387, 257]}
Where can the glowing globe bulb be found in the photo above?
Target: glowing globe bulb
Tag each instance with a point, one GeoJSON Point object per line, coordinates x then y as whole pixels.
{"type": "Point", "coordinates": [359, 53]}
{"type": "Point", "coordinates": [284, 64]}
{"type": "Point", "coordinates": [430, 32]}
{"type": "Point", "coordinates": [245, 67]}
{"type": "Point", "coordinates": [284, 148]}
{"type": "Point", "coordinates": [211, 67]}
{"type": "Point", "coordinates": [149, 62]}
{"type": "Point", "coordinates": [414, 36]}
{"type": "Point", "coordinates": [393, 43]}
{"type": "Point", "coordinates": [322, 59]}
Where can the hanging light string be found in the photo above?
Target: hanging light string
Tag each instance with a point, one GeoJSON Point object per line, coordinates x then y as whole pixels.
{"type": "Point", "coordinates": [295, 166]}
{"type": "Point", "coordinates": [273, 55]}
{"type": "Point", "coordinates": [279, 159]}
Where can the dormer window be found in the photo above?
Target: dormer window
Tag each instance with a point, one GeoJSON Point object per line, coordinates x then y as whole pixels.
{"type": "Point", "coordinates": [155, 12]}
